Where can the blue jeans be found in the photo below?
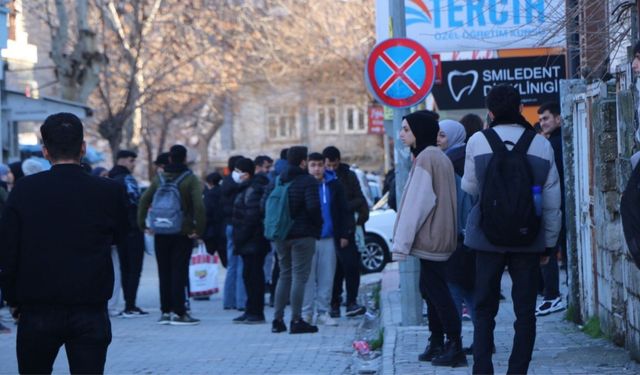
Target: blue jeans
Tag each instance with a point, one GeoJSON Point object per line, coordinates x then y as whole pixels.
{"type": "Point", "coordinates": [460, 295]}
{"type": "Point", "coordinates": [235, 294]}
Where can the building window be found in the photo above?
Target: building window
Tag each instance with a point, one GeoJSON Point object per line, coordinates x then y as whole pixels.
{"type": "Point", "coordinates": [282, 123]}
{"type": "Point", "coordinates": [327, 117]}
{"type": "Point", "coordinates": [355, 119]}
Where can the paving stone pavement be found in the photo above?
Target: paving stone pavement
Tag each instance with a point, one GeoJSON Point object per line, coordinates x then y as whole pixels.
{"type": "Point", "coordinates": [216, 346]}
{"type": "Point", "coordinates": [560, 348]}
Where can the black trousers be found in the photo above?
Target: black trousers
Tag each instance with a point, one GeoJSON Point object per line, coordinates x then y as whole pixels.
{"type": "Point", "coordinates": [524, 271]}
{"type": "Point", "coordinates": [131, 254]}
{"type": "Point", "coordinates": [173, 253]}
{"type": "Point", "coordinates": [441, 310]}
{"type": "Point", "coordinates": [253, 277]}
{"type": "Point", "coordinates": [85, 333]}
{"type": "Point", "coordinates": [348, 270]}
{"type": "Point", "coordinates": [214, 246]}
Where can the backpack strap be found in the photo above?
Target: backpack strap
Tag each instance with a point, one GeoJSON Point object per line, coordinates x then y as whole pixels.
{"type": "Point", "coordinates": [523, 144]}
{"type": "Point", "coordinates": [161, 178]}
{"type": "Point", "coordinates": [495, 142]}
{"type": "Point", "coordinates": [184, 175]}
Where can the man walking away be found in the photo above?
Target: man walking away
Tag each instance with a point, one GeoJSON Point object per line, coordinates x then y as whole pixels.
{"type": "Point", "coordinates": [348, 258]}
{"type": "Point", "coordinates": [296, 247]}
{"type": "Point", "coordinates": [248, 238]}
{"type": "Point", "coordinates": [511, 229]}
{"type": "Point", "coordinates": [55, 263]}
{"type": "Point", "coordinates": [337, 227]}
{"type": "Point", "coordinates": [177, 217]}
{"type": "Point", "coordinates": [131, 250]}
{"type": "Point", "coordinates": [551, 124]}
{"type": "Point", "coordinates": [235, 295]}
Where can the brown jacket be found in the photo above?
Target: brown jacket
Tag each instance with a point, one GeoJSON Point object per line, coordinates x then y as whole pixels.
{"type": "Point", "coordinates": [426, 225]}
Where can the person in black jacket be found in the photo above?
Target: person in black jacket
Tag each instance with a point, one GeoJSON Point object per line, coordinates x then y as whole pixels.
{"type": "Point", "coordinates": [248, 239]}
{"type": "Point", "coordinates": [55, 263]}
{"type": "Point", "coordinates": [235, 295]}
{"type": "Point", "coordinates": [296, 252]}
{"type": "Point", "coordinates": [214, 236]}
{"type": "Point", "coordinates": [337, 228]}
{"type": "Point", "coordinates": [349, 257]}
{"type": "Point", "coordinates": [131, 250]}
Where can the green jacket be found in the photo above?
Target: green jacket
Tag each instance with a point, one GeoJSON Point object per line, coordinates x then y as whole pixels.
{"type": "Point", "coordinates": [192, 203]}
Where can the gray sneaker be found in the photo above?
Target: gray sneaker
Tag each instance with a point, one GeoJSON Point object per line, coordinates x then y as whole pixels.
{"type": "Point", "coordinates": [165, 319]}
{"type": "Point", "coordinates": [184, 320]}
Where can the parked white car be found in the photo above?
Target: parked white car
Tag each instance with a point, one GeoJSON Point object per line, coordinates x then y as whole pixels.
{"type": "Point", "coordinates": [378, 237]}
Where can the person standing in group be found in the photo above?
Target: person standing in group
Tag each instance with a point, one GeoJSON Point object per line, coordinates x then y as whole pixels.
{"type": "Point", "coordinates": [55, 263]}
{"type": "Point", "coordinates": [264, 167]}
{"type": "Point", "coordinates": [511, 229]}
{"type": "Point", "coordinates": [296, 247]}
{"type": "Point", "coordinates": [551, 125]}
{"type": "Point", "coordinates": [248, 238]}
{"type": "Point", "coordinates": [176, 218]}
{"type": "Point", "coordinates": [338, 226]}
{"type": "Point", "coordinates": [426, 228]}
{"type": "Point", "coordinates": [131, 250]}
{"type": "Point", "coordinates": [214, 236]}
{"type": "Point", "coordinates": [348, 269]}
{"type": "Point", "coordinates": [235, 295]}
{"type": "Point", "coordinates": [461, 266]}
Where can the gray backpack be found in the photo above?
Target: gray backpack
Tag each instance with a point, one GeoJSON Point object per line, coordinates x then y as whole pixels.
{"type": "Point", "coordinates": [165, 215]}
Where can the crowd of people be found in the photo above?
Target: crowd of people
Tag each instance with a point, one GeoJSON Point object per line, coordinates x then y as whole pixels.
{"type": "Point", "coordinates": [288, 229]}
{"type": "Point", "coordinates": [476, 202]}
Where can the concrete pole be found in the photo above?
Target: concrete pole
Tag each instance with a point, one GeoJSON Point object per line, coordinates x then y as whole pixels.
{"type": "Point", "coordinates": [410, 298]}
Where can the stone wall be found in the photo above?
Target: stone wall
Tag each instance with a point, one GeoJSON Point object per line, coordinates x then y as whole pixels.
{"type": "Point", "coordinates": [617, 287]}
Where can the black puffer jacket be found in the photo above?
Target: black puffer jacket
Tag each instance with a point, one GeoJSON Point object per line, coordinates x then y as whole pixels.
{"type": "Point", "coordinates": [304, 203]}
{"type": "Point", "coordinates": [355, 198]}
{"type": "Point", "coordinates": [229, 191]}
{"type": "Point", "coordinates": [248, 229]}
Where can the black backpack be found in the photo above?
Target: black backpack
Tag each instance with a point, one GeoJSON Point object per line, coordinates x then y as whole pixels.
{"type": "Point", "coordinates": [507, 210]}
{"type": "Point", "coordinates": [630, 214]}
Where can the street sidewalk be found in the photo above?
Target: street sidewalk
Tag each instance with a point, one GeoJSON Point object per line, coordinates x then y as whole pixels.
{"type": "Point", "coordinates": [561, 348]}
{"type": "Point", "coordinates": [216, 346]}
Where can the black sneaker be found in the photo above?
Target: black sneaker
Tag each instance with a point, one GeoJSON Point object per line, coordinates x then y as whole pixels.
{"type": "Point", "coordinates": [302, 327]}
{"type": "Point", "coordinates": [240, 319]}
{"type": "Point", "coordinates": [335, 312]}
{"type": "Point", "coordinates": [165, 319]}
{"type": "Point", "coordinates": [184, 320]}
{"type": "Point", "coordinates": [135, 312]}
{"type": "Point", "coordinates": [355, 310]}
{"type": "Point", "coordinates": [278, 326]}
{"type": "Point", "coordinates": [254, 319]}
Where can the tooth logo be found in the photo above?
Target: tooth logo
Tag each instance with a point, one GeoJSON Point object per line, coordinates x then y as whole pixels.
{"type": "Point", "coordinates": [469, 79]}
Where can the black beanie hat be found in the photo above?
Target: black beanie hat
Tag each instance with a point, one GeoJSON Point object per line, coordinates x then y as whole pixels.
{"type": "Point", "coordinates": [126, 154]}
{"type": "Point", "coordinates": [297, 154]}
{"type": "Point", "coordinates": [424, 126]}
{"type": "Point", "coordinates": [178, 154]}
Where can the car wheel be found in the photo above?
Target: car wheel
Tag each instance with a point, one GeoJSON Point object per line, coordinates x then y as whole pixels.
{"type": "Point", "coordinates": [374, 256]}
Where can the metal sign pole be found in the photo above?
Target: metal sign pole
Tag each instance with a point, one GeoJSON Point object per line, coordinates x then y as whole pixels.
{"type": "Point", "coordinates": [410, 298]}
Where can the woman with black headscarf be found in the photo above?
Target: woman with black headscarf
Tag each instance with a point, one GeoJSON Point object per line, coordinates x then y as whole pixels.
{"type": "Point", "coordinates": [426, 228]}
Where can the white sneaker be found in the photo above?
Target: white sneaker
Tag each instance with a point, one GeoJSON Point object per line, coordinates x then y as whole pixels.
{"type": "Point", "coordinates": [326, 319]}
{"type": "Point", "coordinates": [550, 306]}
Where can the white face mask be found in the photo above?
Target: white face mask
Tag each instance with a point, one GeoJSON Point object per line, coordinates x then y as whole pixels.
{"type": "Point", "coordinates": [235, 175]}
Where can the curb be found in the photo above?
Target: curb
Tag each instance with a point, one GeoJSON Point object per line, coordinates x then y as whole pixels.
{"type": "Point", "coordinates": [390, 285]}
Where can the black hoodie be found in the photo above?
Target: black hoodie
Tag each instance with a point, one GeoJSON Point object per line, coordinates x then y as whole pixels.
{"type": "Point", "coordinates": [425, 128]}
{"type": "Point", "coordinates": [124, 177]}
{"type": "Point", "coordinates": [248, 229]}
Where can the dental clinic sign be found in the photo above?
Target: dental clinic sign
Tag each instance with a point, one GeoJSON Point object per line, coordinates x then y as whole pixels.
{"type": "Point", "coordinates": [465, 84]}
{"type": "Point", "coordinates": [463, 25]}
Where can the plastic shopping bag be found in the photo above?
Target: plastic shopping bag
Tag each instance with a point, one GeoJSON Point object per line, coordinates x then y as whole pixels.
{"type": "Point", "coordinates": [203, 273]}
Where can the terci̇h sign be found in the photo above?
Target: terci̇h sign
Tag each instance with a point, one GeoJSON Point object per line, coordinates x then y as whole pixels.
{"type": "Point", "coordinates": [466, 83]}
{"type": "Point", "coordinates": [460, 25]}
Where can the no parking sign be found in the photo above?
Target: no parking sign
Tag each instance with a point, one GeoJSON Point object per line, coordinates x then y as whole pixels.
{"type": "Point", "coordinates": [400, 72]}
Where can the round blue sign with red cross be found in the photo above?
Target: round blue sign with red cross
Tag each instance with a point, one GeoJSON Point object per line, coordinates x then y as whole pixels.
{"type": "Point", "coordinates": [400, 72]}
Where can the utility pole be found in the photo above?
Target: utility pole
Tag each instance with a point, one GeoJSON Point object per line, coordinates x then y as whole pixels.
{"type": "Point", "coordinates": [410, 299]}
